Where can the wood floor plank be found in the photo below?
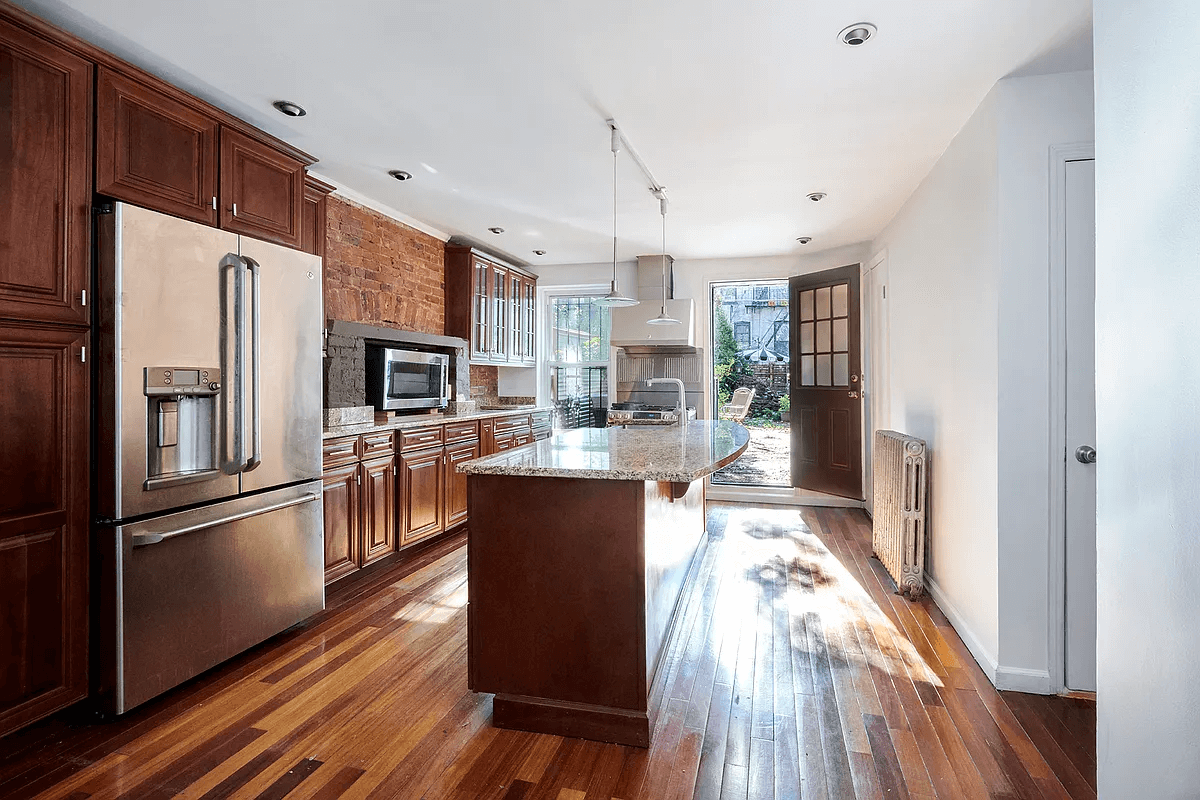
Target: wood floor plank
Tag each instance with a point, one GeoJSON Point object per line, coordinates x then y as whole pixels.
{"type": "Point", "coordinates": [793, 671]}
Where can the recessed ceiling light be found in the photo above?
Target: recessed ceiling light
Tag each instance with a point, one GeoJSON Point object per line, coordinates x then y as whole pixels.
{"type": "Point", "coordinates": [400, 174]}
{"type": "Point", "coordinates": [857, 34]}
{"type": "Point", "coordinates": [291, 109]}
{"type": "Point", "coordinates": [817, 197]}
{"type": "Point", "coordinates": [497, 230]}
{"type": "Point", "coordinates": [804, 239]}
{"type": "Point", "coordinates": [539, 252]}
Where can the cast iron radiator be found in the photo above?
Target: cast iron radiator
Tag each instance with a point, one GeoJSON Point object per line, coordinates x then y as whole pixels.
{"type": "Point", "coordinates": [898, 530]}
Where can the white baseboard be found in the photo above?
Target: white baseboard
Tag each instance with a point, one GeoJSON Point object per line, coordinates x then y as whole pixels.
{"type": "Point", "coordinates": [1020, 679]}
{"type": "Point", "coordinates": [1009, 679]}
{"type": "Point", "coordinates": [771, 495]}
{"type": "Point", "coordinates": [986, 661]}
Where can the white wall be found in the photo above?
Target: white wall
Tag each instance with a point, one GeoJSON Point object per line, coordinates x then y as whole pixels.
{"type": "Point", "coordinates": [969, 265]}
{"type": "Point", "coordinates": [1148, 397]}
{"type": "Point", "coordinates": [1033, 113]}
{"type": "Point", "coordinates": [943, 264]}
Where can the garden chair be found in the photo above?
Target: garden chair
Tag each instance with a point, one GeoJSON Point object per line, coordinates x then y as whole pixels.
{"type": "Point", "coordinates": [738, 406]}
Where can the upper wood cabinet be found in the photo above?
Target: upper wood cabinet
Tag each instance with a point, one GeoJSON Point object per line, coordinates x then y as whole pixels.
{"type": "Point", "coordinates": [45, 179]}
{"type": "Point", "coordinates": [44, 466]}
{"type": "Point", "coordinates": [262, 190]}
{"type": "Point", "coordinates": [165, 150]}
{"type": "Point", "coordinates": [312, 223]}
{"type": "Point", "coordinates": [153, 150]}
{"type": "Point", "coordinates": [492, 305]}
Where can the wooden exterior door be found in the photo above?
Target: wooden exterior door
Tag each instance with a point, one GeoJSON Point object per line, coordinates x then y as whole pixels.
{"type": "Point", "coordinates": [342, 520]}
{"type": "Point", "coordinates": [378, 508]}
{"type": "Point", "coordinates": [422, 502]}
{"type": "Point", "coordinates": [262, 190]}
{"type": "Point", "coordinates": [43, 521]}
{"type": "Point", "coordinates": [826, 382]}
{"type": "Point", "coordinates": [45, 179]}
{"type": "Point", "coordinates": [154, 151]}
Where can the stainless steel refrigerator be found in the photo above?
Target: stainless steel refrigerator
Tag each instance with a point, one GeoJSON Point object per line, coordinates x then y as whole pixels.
{"type": "Point", "coordinates": [209, 537]}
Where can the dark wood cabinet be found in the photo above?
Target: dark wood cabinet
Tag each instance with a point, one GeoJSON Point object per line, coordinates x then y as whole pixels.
{"type": "Point", "coordinates": [360, 502]}
{"type": "Point", "coordinates": [312, 224]}
{"type": "Point", "coordinates": [45, 178]}
{"type": "Point", "coordinates": [378, 508]}
{"type": "Point", "coordinates": [491, 304]}
{"type": "Point", "coordinates": [342, 521]}
{"type": "Point", "coordinates": [44, 463]}
{"type": "Point", "coordinates": [153, 150]}
{"type": "Point", "coordinates": [262, 190]}
{"type": "Point", "coordinates": [422, 504]}
{"type": "Point", "coordinates": [456, 482]}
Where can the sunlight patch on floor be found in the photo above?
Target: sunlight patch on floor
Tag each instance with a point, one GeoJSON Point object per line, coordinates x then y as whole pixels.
{"type": "Point", "coordinates": [768, 539]}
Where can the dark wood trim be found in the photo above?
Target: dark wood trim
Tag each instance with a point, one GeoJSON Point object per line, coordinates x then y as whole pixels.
{"type": "Point", "coordinates": [577, 720]}
{"type": "Point", "coordinates": [35, 24]}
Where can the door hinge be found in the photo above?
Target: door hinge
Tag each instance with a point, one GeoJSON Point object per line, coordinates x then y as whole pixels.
{"type": "Point", "coordinates": [83, 354]}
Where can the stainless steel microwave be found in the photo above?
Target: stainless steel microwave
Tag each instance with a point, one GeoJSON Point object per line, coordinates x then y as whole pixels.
{"type": "Point", "coordinates": [399, 379]}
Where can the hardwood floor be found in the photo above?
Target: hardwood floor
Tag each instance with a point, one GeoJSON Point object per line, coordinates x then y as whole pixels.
{"type": "Point", "coordinates": [794, 672]}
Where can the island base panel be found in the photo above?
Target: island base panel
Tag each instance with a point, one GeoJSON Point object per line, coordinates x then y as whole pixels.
{"type": "Point", "coordinates": [578, 720]}
{"type": "Point", "coordinates": [573, 592]}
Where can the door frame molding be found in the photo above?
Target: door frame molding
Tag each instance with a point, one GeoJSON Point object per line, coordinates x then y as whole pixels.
{"type": "Point", "coordinates": [1060, 154]}
{"type": "Point", "coordinates": [876, 363]}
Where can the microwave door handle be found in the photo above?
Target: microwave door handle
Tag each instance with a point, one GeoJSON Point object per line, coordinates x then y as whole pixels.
{"type": "Point", "coordinates": [445, 382]}
{"type": "Point", "coordinates": [256, 371]}
{"type": "Point", "coordinates": [233, 432]}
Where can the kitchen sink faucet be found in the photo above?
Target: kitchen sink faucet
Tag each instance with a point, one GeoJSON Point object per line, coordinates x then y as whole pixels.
{"type": "Point", "coordinates": [683, 415]}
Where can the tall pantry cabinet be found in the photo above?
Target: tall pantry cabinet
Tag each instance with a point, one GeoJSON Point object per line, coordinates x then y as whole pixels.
{"type": "Point", "coordinates": [45, 213]}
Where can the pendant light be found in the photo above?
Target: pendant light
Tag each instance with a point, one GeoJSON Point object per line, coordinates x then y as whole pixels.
{"type": "Point", "coordinates": [614, 298]}
{"type": "Point", "coordinates": [663, 317]}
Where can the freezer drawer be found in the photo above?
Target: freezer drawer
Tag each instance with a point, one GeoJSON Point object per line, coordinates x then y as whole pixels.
{"type": "Point", "coordinates": [181, 593]}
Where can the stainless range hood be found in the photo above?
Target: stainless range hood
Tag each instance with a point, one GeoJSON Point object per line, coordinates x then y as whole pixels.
{"type": "Point", "coordinates": [630, 325]}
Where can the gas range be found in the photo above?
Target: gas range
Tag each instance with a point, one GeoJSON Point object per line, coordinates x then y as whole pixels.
{"type": "Point", "coordinates": [645, 414]}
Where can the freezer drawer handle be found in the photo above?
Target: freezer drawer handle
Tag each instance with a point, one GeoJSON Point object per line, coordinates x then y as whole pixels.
{"type": "Point", "coordinates": [143, 539]}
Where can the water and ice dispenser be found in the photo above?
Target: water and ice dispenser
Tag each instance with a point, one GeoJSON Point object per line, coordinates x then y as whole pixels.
{"type": "Point", "coordinates": [182, 423]}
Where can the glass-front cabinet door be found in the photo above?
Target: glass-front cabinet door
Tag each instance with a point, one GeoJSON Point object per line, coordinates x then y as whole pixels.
{"type": "Point", "coordinates": [516, 318]}
{"type": "Point", "coordinates": [482, 303]}
{"type": "Point", "coordinates": [529, 311]}
{"type": "Point", "coordinates": [499, 336]}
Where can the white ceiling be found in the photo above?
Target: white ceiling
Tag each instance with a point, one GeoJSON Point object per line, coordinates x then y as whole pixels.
{"type": "Point", "coordinates": [740, 107]}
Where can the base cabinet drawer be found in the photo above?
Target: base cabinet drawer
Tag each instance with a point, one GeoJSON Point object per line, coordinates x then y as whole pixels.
{"type": "Point", "coordinates": [422, 492]}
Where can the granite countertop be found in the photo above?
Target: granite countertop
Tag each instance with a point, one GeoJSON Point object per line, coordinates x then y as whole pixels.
{"type": "Point", "coordinates": [421, 420]}
{"type": "Point", "coordinates": [642, 453]}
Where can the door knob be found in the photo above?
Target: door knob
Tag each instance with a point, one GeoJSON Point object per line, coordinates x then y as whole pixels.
{"type": "Point", "coordinates": [1085, 454]}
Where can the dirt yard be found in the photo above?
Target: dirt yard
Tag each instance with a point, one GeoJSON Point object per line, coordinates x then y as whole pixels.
{"type": "Point", "coordinates": [766, 461]}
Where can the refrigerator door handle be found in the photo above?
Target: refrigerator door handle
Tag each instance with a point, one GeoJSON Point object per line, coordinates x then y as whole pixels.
{"type": "Point", "coordinates": [233, 429]}
{"type": "Point", "coordinates": [154, 537]}
{"type": "Point", "coordinates": [256, 371]}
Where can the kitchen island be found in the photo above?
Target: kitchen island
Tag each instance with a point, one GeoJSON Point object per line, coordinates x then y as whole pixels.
{"type": "Point", "coordinates": [579, 548]}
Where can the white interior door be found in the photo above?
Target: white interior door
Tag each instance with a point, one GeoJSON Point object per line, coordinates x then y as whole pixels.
{"type": "Point", "coordinates": [1081, 425]}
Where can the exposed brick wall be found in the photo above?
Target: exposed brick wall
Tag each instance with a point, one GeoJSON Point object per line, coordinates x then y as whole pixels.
{"type": "Point", "coordinates": [380, 271]}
